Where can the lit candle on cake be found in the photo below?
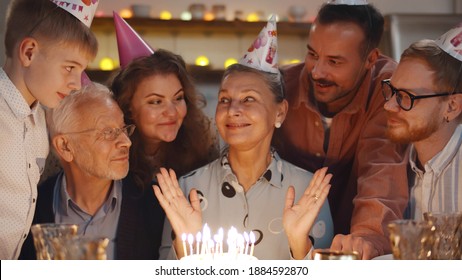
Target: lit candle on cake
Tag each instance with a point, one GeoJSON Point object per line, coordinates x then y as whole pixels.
{"type": "Point", "coordinates": [216, 238]}
{"type": "Point", "coordinates": [198, 242]}
{"type": "Point", "coordinates": [210, 246]}
{"type": "Point", "coordinates": [220, 239]}
{"type": "Point", "coordinates": [240, 243]}
{"type": "Point", "coordinates": [252, 240]}
{"type": "Point", "coordinates": [183, 238]}
{"type": "Point", "coordinates": [232, 235]}
{"type": "Point", "coordinates": [205, 238]}
{"type": "Point", "coordinates": [190, 242]}
{"type": "Point", "coordinates": [246, 238]}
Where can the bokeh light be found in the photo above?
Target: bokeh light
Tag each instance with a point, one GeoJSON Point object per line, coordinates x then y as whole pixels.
{"type": "Point", "coordinates": [126, 13]}
{"type": "Point", "coordinates": [185, 15]}
{"type": "Point", "coordinates": [202, 61]}
{"type": "Point", "coordinates": [106, 64]}
{"type": "Point", "coordinates": [165, 15]}
{"type": "Point", "coordinates": [230, 61]}
{"type": "Point", "coordinates": [253, 17]}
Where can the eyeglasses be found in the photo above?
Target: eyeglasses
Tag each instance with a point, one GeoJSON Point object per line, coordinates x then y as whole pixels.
{"type": "Point", "coordinates": [404, 98]}
{"type": "Point", "coordinates": [108, 133]}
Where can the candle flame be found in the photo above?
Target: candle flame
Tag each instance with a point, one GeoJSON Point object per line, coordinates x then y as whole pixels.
{"type": "Point", "coordinates": [252, 237]}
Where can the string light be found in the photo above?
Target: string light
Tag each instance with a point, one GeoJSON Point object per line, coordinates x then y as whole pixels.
{"type": "Point", "coordinates": [106, 64]}
{"type": "Point", "coordinates": [126, 13]}
{"type": "Point", "coordinates": [230, 61]}
{"type": "Point", "coordinates": [202, 61]}
{"type": "Point", "coordinates": [165, 15]}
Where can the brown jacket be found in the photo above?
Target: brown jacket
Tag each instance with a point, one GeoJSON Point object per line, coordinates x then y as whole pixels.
{"type": "Point", "coordinates": [369, 186]}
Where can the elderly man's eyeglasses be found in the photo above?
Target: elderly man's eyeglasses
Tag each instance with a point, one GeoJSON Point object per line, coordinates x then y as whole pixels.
{"type": "Point", "coordinates": [110, 134]}
{"type": "Point", "coordinates": [404, 98]}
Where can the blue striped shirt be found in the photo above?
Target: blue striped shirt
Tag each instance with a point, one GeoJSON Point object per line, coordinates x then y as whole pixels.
{"type": "Point", "coordinates": [439, 187]}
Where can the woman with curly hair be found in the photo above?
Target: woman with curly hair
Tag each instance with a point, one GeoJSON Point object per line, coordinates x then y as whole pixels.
{"type": "Point", "coordinates": [156, 93]}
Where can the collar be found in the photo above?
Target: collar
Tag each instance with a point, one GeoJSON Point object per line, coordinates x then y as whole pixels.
{"type": "Point", "coordinates": [442, 159]}
{"type": "Point", "coordinates": [272, 175]}
{"type": "Point", "coordinates": [14, 98]}
{"type": "Point", "coordinates": [65, 201]}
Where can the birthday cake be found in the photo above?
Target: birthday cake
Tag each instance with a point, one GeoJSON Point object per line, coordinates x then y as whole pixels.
{"type": "Point", "coordinates": [207, 247]}
{"type": "Point", "coordinates": [219, 257]}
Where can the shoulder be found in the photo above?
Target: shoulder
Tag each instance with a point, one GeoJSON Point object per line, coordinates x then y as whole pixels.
{"type": "Point", "coordinates": [291, 72]}
{"type": "Point", "coordinates": [203, 171]}
{"type": "Point", "coordinates": [294, 175]}
{"type": "Point", "coordinates": [202, 174]}
{"type": "Point", "coordinates": [384, 67]}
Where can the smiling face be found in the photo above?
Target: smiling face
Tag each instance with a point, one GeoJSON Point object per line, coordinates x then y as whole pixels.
{"type": "Point", "coordinates": [158, 108]}
{"type": "Point", "coordinates": [94, 155]}
{"type": "Point", "coordinates": [52, 73]}
{"type": "Point", "coordinates": [426, 116]}
{"type": "Point", "coordinates": [247, 111]}
{"type": "Point", "coordinates": [334, 61]}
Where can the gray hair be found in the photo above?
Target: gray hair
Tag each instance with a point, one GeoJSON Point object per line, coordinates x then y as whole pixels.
{"type": "Point", "coordinates": [67, 114]}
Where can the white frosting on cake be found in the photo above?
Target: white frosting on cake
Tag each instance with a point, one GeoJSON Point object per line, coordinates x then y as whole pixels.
{"type": "Point", "coordinates": [219, 257]}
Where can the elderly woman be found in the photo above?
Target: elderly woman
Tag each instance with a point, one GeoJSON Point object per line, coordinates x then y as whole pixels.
{"type": "Point", "coordinates": [249, 187]}
{"type": "Point", "coordinates": [156, 94]}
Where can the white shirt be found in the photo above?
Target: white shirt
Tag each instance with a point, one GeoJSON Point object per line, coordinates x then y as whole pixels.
{"type": "Point", "coordinates": [439, 187]}
{"type": "Point", "coordinates": [24, 148]}
{"type": "Point", "coordinates": [224, 204]}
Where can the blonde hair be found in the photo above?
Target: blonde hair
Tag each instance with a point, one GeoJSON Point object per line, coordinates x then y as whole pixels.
{"type": "Point", "coordinates": [47, 23]}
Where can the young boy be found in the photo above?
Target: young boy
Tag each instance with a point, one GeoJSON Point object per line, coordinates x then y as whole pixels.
{"type": "Point", "coordinates": [47, 46]}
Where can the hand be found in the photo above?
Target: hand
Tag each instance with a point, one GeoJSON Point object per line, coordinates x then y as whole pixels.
{"type": "Point", "coordinates": [184, 216]}
{"type": "Point", "coordinates": [298, 219]}
{"type": "Point", "coordinates": [359, 244]}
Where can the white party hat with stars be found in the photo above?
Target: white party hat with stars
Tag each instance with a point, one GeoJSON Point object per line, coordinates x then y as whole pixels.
{"type": "Point", "coordinates": [262, 54]}
{"type": "Point", "coordinates": [84, 10]}
{"type": "Point", "coordinates": [451, 42]}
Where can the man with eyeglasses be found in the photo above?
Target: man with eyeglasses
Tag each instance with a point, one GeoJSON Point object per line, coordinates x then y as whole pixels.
{"type": "Point", "coordinates": [424, 108]}
{"type": "Point", "coordinates": [91, 140]}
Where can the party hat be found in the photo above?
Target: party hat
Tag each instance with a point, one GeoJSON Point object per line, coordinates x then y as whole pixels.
{"type": "Point", "coordinates": [451, 42]}
{"type": "Point", "coordinates": [84, 10]}
{"type": "Point", "coordinates": [262, 54]}
{"type": "Point", "coordinates": [348, 2]}
{"type": "Point", "coordinates": [129, 43]}
{"type": "Point", "coordinates": [85, 80]}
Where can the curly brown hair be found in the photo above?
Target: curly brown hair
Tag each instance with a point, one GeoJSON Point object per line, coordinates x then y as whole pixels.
{"type": "Point", "coordinates": [195, 144]}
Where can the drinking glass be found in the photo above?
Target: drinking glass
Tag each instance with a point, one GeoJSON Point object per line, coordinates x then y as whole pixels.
{"type": "Point", "coordinates": [411, 240]}
{"type": "Point", "coordinates": [45, 234]}
{"type": "Point", "coordinates": [448, 233]}
{"type": "Point", "coordinates": [327, 254]}
{"type": "Point", "coordinates": [80, 248]}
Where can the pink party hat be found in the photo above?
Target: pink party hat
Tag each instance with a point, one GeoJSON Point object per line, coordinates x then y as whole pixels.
{"type": "Point", "coordinates": [451, 42]}
{"type": "Point", "coordinates": [85, 80]}
{"type": "Point", "coordinates": [84, 10]}
{"type": "Point", "coordinates": [348, 2]}
{"type": "Point", "coordinates": [262, 54]}
{"type": "Point", "coordinates": [129, 43]}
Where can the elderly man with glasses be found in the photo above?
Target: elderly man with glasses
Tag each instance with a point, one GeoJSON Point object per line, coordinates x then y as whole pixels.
{"type": "Point", "coordinates": [424, 108]}
{"type": "Point", "coordinates": [90, 138]}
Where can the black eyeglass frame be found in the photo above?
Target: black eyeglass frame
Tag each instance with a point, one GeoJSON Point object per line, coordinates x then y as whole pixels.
{"type": "Point", "coordinates": [411, 96]}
